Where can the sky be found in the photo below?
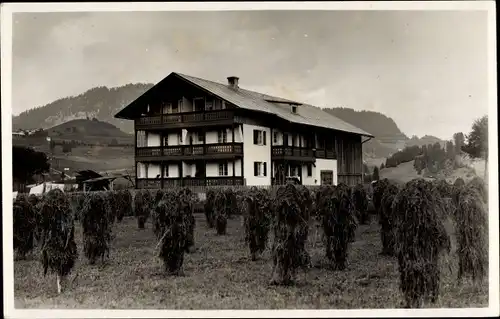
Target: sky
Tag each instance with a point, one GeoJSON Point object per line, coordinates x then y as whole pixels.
{"type": "Point", "coordinates": [425, 69]}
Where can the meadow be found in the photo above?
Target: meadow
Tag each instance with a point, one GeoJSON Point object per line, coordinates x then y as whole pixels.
{"type": "Point", "coordinates": [219, 274]}
{"type": "Point", "coordinates": [218, 271]}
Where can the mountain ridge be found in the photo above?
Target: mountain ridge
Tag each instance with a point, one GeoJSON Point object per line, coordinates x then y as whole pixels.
{"type": "Point", "coordinates": [102, 103]}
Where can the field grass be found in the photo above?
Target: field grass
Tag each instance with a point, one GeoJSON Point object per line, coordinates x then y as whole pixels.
{"type": "Point", "coordinates": [220, 275]}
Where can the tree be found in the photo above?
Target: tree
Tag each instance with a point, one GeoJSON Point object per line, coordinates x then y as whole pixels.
{"type": "Point", "coordinates": [376, 175]}
{"type": "Point", "coordinates": [26, 162]}
{"type": "Point", "coordinates": [458, 140]}
{"type": "Point", "coordinates": [382, 166]}
{"type": "Point", "coordinates": [450, 150]}
{"type": "Point", "coordinates": [477, 141]}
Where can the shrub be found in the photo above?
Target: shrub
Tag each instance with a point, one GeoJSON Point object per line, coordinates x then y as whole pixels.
{"type": "Point", "coordinates": [420, 236]}
{"type": "Point", "coordinates": [24, 226]}
{"type": "Point", "coordinates": [59, 251]}
{"type": "Point", "coordinates": [478, 184]}
{"type": "Point", "coordinates": [378, 192]}
{"type": "Point", "coordinates": [360, 203]}
{"type": "Point", "coordinates": [387, 220]}
{"type": "Point", "coordinates": [336, 222]}
{"type": "Point", "coordinates": [472, 231]}
{"type": "Point", "coordinates": [209, 208]}
{"type": "Point", "coordinates": [142, 204]}
{"type": "Point", "coordinates": [171, 224]}
{"type": "Point", "coordinates": [96, 223]}
{"type": "Point", "coordinates": [290, 221]}
{"type": "Point", "coordinates": [221, 209]}
{"type": "Point", "coordinates": [257, 220]}
{"type": "Point", "coordinates": [185, 198]}
{"type": "Point", "coordinates": [124, 204]}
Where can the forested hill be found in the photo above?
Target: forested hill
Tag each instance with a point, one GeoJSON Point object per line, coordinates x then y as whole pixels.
{"type": "Point", "coordinates": [381, 126]}
{"type": "Point", "coordinates": [101, 103]}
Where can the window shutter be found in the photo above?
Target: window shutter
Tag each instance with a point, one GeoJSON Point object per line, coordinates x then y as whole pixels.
{"type": "Point", "coordinates": [255, 169]}
{"type": "Point", "coordinates": [255, 137]}
{"type": "Point", "coordinates": [264, 137]}
{"type": "Point", "coordinates": [265, 168]}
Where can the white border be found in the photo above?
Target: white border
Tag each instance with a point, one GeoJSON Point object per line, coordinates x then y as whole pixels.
{"type": "Point", "coordinates": [6, 116]}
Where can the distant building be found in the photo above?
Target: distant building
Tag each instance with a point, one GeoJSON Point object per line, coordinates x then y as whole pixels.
{"type": "Point", "coordinates": [195, 132]}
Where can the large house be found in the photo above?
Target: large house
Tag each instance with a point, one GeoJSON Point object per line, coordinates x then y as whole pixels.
{"type": "Point", "coordinates": [194, 132]}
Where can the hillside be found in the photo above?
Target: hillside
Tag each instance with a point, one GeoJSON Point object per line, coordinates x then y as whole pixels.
{"type": "Point", "coordinates": [82, 129]}
{"type": "Point", "coordinates": [103, 103]}
{"type": "Point", "coordinates": [382, 127]}
{"type": "Point", "coordinates": [99, 102]}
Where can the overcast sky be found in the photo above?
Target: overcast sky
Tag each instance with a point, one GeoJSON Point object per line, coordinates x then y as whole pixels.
{"type": "Point", "coordinates": [425, 69]}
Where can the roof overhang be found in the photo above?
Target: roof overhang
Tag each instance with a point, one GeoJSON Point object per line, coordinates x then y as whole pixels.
{"type": "Point", "coordinates": [130, 111]}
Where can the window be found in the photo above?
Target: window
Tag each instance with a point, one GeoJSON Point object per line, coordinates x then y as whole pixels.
{"type": "Point", "coordinates": [167, 108]}
{"type": "Point", "coordinates": [309, 170]}
{"type": "Point", "coordinates": [223, 169]}
{"type": "Point", "coordinates": [275, 137]}
{"type": "Point", "coordinates": [199, 104]}
{"type": "Point", "coordinates": [294, 109]}
{"type": "Point", "coordinates": [201, 136]}
{"type": "Point", "coordinates": [259, 137]}
{"type": "Point", "coordinates": [209, 104]}
{"type": "Point", "coordinates": [222, 136]}
{"type": "Point", "coordinates": [259, 169]}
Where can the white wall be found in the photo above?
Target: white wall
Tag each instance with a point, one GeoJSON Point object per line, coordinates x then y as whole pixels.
{"type": "Point", "coordinates": [153, 139]}
{"type": "Point", "coordinates": [173, 171]}
{"type": "Point", "coordinates": [325, 164]}
{"type": "Point", "coordinates": [256, 153]}
{"type": "Point", "coordinates": [309, 180]}
{"type": "Point", "coordinates": [188, 169]}
{"type": "Point", "coordinates": [153, 169]}
{"type": "Point", "coordinates": [212, 169]}
{"type": "Point", "coordinates": [173, 139]}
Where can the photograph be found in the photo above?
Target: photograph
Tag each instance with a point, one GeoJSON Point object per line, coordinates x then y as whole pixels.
{"type": "Point", "coordinates": [235, 159]}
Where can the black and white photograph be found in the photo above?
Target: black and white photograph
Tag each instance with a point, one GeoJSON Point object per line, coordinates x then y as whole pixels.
{"type": "Point", "coordinates": [165, 159]}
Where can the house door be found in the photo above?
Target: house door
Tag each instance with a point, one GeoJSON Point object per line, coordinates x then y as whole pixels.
{"type": "Point", "coordinates": [326, 177]}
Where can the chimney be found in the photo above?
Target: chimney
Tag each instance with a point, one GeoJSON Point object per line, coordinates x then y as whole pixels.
{"type": "Point", "coordinates": [232, 82]}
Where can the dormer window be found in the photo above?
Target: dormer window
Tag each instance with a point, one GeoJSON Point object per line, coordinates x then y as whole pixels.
{"type": "Point", "coordinates": [294, 109]}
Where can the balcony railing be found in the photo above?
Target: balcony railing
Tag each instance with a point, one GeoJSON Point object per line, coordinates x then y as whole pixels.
{"type": "Point", "coordinates": [179, 119]}
{"type": "Point", "coordinates": [300, 153]}
{"type": "Point", "coordinates": [325, 154]}
{"type": "Point", "coordinates": [189, 181]}
{"type": "Point", "coordinates": [190, 150]}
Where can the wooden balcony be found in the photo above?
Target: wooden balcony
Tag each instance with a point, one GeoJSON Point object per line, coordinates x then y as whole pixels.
{"type": "Point", "coordinates": [182, 120]}
{"type": "Point", "coordinates": [189, 182]}
{"type": "Point", "coordinates": [325, 154]}
{"type": "Point", "coordinates": [291, 153]}
{"type": "Point", "coordinates": [189, 152]}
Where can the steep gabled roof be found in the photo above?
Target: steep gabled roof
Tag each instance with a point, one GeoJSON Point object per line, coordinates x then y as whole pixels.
{"type": "Point", "coordinates": [246, 99]}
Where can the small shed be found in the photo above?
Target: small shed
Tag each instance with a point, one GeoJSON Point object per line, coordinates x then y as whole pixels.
{"type": "Point", "coordinates": [98, 184]}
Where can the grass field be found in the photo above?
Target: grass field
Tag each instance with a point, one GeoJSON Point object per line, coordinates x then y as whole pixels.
{"type": "Point", "coordinates": [220, 275]}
